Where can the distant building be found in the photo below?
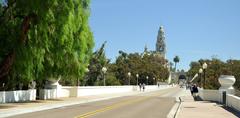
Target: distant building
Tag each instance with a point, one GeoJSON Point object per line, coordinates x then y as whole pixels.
{"type": "Point", "coordinates": [160, 45]}
{"type": "Point", "coordinates": [160, 50]}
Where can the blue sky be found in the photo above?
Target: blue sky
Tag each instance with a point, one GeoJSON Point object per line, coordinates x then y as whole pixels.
{"type": "Point", "coordinates": [194, 29]}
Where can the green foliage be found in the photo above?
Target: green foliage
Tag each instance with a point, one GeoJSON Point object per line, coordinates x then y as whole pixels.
{"type": "Point", "coordinates": [216, 68]}
{"type": "Point", "coordinates": [234, 69]}
{"type": "Point", "coordinates": [97, 62]}
{"type": "Point", "coordinates": [176, 60]}
{"type": "Point", "coordinates": [149, 65]}
{"type": "Point", "coordinates": [194, 68]}
{"type": "Point", "coordinates": [45, 39]}
{"type": "Point", "coordinates": [111, 80]}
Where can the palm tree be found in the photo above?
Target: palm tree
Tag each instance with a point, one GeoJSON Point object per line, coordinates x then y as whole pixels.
{"type": "Point", "coordinates": [176, 60]}
{"type": "Point", "coordinates": [171, 66]}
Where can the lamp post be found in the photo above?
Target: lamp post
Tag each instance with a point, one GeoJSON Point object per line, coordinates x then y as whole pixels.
{"type": "Point", "coordinates": [154, 82]}
{"type": "Point", "coordinates": [200, 76]}
{"type": "Point", "coordinates": [204, 66]}
{"type": "Point", "coordinates": [129, 75]}
{"type": "Point", "coordinates": [104, 69]}
{"type": "Point", "coordinates": [147, 80]}
{"type": "Point", "coordinates": [137, 78]}
{"type": "Point", "coordinates": [86, 77]}
{"type": "Point", "coordinates": [3, 85]}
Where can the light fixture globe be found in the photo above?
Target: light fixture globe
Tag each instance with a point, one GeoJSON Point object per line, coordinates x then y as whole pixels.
{"type": "Point", "coordinates": [204, 65]}
{"type": "Point", "coordinates": [104, 69]}
{"type": "Point", "coordinates": [200, 70]}
{"type": "Point", "coordinates": [137, 75]}
{"type": "Point", "coordinates": [129, 73]}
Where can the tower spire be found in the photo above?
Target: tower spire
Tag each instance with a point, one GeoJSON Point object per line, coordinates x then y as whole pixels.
{"type": "Point", "coordinates": [160, 44]}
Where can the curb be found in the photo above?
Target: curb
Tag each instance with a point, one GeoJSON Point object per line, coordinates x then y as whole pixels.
{"type": "Point", "coordinates": [175, 109]}
{"type": "Point", "coordinates": [178, 110]}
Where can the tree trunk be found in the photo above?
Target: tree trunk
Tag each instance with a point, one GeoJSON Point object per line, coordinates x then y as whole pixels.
{"type": "Point", "coordinates": [175, 66]}
{"type": "Point", "coordinates": [7, 63]}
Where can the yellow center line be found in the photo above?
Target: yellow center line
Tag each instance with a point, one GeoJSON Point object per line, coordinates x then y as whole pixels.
{"type": "Point", "coordinates": [116, 105]}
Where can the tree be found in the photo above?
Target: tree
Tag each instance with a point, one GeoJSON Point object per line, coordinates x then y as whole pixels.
{"type": "Point", "coordinates": [176, 60]}
{"type": "Point", "coordinates": [144, 65]}
{"type": "Point", "coordinates": [97, 62]}
{"type": "Point", "coordinates": [234, 68]}
{"type": "Point", "coordinates": [216, 67]}
{"type": "Point", "coordinates": [111, 79]}
{"type": "Point", "coordinates": [44, 39]}
{"type": "Point", "coordinates": [171, 66]}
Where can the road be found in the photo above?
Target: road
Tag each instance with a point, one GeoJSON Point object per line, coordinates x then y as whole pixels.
{"type": "Point", "coordinates": [155, 104]}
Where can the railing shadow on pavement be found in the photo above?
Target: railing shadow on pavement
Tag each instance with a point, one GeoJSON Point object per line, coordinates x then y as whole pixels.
{"type": "Point", "coordinates": [231, 110]}
{"type": "Point", "coordinates": [197, 98]}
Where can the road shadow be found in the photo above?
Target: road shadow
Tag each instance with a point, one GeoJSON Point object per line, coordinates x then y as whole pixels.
{"type": "Point", "coordinates": [189, 107]}
{"type": "Point", "coordinates": [6, 106]}
{"type": "Point", "coordinates": [197, 98]}
{"type": "Point", "coordinates": [231, 110]}
{"type": "Point", "coordinates": [15, 104]}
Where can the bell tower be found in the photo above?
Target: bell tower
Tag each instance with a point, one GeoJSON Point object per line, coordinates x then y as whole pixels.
{"type": "Point", "coordinates": [160, 44]}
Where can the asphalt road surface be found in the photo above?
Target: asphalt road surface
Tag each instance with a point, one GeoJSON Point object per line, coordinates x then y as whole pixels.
{"type": "Point", "coordinates": [155, 104]}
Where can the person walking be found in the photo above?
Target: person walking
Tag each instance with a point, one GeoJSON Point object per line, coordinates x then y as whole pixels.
{"type": "Point", "coordinates": [191, 89]}
{"type": "Point", "coordinates": [195, 92]}
{"type": "Point", "coordinates": [140, 86]}
{"type": "Point", "coordinates": [143, 86]}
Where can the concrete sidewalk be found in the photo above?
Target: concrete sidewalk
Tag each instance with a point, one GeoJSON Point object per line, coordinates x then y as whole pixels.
{"type": "Point", "coordinates": [202, 109]}
{"type": "Point", "coordinates": [11, 109]}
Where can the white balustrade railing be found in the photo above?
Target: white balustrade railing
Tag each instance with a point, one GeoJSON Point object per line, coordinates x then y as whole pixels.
{"type": "Point", "coordinates": [17, 96]}
{"type": "Point", "coordinates": [217, 96]}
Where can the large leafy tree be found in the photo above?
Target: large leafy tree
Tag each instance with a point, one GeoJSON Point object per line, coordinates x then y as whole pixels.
{"type": "Point", "coordinates": [97, 62]}
{"type": "Point", "coordinates": [145, 65]}
{"type": "Point", "coordinates": [42, 39]}
{"type": "Point", "coordinates": [94, 75]}
{"type": "Point", "coordinates": [216, 67]}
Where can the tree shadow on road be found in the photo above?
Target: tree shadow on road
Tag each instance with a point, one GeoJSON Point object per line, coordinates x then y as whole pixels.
{"type": "Point", "coordinates": [6, 106]}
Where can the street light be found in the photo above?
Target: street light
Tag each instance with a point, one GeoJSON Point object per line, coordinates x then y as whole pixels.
{"type": "Point", "coordinates": [129, 75]}
{"type": "Point", "coordinates": [86, 77]}
{"type": "Point", "coordinates": [104, 69]}
{"type": "Point", "coordinates": [3, 85]}
{"type": "Point", "coordinates": [147, 80]}
{"type": "Point", "coordinates": [137, 78]}
{"type": "Point", "coordinates": [204, 66]}
{"type": "Point", "coordinates": [200, 76]}
{"type": "Point", "coordinates": [87, 70]}
{"type": "Point", "coordinates": [154, 82]}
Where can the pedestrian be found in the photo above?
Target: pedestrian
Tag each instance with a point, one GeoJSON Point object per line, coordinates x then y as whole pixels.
{"type": "Point", "coordinates": [158, 85]}
{"type": "Point", "coordinates": [191, 89]}
{"type": "Point", "coordinates": [195, 91]}
{"type": "Point", "coordinates": [143, 86]}
{"type": "Point", "coordinates": [140, 86]}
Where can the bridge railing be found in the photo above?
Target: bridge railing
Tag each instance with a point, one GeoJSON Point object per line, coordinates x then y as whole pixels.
{"type": "Point", "coordinates": [232, 100]}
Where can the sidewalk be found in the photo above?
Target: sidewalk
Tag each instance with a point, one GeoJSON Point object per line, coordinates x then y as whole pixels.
{"type": "Point", "coordinates": [11, 109]}
{"type": "Point", "coordinates": [201, 109]}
